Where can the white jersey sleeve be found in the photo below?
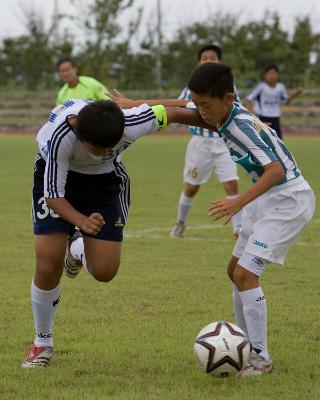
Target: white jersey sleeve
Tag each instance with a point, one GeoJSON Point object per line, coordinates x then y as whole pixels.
{"type": "Point", "coordinates": [143, 120]}
{"type": "Point", "coordinates": [284, 93]}
{"type": "Point", "coordinates": [185, 94]}
{"type": "Point", "coordinates": [58, 159]}
{"type": "Point", "coordinates": [255, 92]}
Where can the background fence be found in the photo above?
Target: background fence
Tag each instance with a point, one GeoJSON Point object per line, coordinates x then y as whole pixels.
{"type": "Point", "coordinates": [27, 111]}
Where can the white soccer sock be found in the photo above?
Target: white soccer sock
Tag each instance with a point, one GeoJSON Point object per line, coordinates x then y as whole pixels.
{"type": "Point", "coordinates": [255, 315]}
{"type": "Point", "coordinates": [185, 203]}
{"type": "Point", "coordinates": [236, 219]}
{"type": "Point", "coordinates": [238, 310]}
{"type": "Point", "coordinates": [44, 307]}
{"type": "Point", "coordinates": [77, 252]}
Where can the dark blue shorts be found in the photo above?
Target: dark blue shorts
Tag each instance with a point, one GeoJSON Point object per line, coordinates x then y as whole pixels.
{"type": "Point", "coordinates": [107, 194]}
{"type": "Point", "coordinates": [273, 122]}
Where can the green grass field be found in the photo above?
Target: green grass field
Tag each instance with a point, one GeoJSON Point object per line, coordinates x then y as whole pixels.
{"type": "Point", "coordinates": [133, 338]}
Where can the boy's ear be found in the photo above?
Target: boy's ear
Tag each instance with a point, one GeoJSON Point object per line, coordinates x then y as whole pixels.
{"type": "Point", "coordinates": [229, 98]}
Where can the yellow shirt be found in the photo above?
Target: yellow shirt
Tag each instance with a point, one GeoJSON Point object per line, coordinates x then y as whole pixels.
{"type": "Point", "coordinates": [87, 89]}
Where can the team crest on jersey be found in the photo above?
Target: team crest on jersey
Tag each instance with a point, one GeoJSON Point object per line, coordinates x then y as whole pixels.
{"type": "Point", "coordinates": [119, 223]}
{"type": "Point", "coordinates": [257, 125]}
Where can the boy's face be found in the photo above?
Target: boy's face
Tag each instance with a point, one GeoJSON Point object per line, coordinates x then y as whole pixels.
{"type": "Point", "coordinates": [68, 73]}
{"type": "Point", "coordinates": [209, 56]}
{"type": "Point", "coordinates": [95, 150]}
{"type": "Point", "coordinates": [212, 109]}
{"type": "Point", "coordinates": [271, 76]}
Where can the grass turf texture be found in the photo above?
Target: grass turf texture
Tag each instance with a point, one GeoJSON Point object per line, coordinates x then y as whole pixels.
{"type": "Point", "coordinates": [133, 338]}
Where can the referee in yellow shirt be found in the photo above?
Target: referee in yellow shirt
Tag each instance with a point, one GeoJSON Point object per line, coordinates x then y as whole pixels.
{"type": "Point", "coordinates": [77, 87]}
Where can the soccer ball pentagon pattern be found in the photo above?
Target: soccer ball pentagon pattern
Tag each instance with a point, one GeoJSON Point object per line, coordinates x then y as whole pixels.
{"type": "Point", "coordinates": [222, 349]}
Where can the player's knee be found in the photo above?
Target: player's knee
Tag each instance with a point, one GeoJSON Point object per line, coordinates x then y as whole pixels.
{"type": "Point", "coordinates": [103, 277]}
{"type": "Point", "coordinates": [231, 267]}
{"type": "Point", "coordinates": [105, 273]}
{"type": "Point", "coordinates": [48, 272]}
{"type": "Point", "coordinates": [48, 264]}
{"type": "Point", "coordinates": [191, 190]}
{"type": "Point", "coordinates": [240, 276]}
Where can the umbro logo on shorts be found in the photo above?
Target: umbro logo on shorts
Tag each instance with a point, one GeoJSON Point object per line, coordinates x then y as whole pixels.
{"type": "Point", "coordinates": [258, 261]}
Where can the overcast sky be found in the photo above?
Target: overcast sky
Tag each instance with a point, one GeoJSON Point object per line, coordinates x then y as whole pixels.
{"type": "Point", "coordinates": [176, 13]}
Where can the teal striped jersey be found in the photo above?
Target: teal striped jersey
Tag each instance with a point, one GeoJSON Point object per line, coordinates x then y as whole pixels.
{"type": "Point", "coordinates": [196, 130]}
{"type": "Point", "coordinates": [253, 144]}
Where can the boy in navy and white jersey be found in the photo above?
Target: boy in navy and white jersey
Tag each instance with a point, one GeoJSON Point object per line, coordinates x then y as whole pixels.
{"type": "Point", "coordinates": [80, 181]}
{"type": "Point", "coordinates": [266, 98]}
{"type": "Point", "coordinates": [275, 209]}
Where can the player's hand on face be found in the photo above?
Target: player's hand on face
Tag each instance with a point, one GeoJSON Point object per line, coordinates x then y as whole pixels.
{"type": "Point", "coordinates": [224, 208]}
{"type": "Point", "coordinates": [92, 224]}
{"type": "Point", "coordinates": [121, 100]}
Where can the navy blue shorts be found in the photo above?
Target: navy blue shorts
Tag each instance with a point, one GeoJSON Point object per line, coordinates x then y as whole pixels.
{"type": "Point", "coordinates": [273, 122]}
{"type": "Point", "coordinates": [107, 194]}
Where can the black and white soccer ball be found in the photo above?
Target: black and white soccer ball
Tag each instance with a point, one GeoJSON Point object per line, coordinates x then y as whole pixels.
{"type": "Point", "coordinates": [222, 349]}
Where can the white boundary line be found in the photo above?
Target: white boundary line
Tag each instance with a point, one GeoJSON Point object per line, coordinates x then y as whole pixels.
{"type": "Point", "coordinates": [151, 234]}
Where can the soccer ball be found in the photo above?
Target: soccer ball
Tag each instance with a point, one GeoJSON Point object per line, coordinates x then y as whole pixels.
{"type": "Point", "coordinates": [222, 349]}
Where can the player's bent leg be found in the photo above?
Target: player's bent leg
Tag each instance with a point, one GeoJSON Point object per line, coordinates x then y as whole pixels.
{"type": "Point", "coordinates": [237, 303]}
{"type": "Point", "coordinates": [103, 258]}
{"type": "Point", "coordinates": [191, 190]}
{"type": "Point", "coordinates": [50, 251]}
{"type": "Point", "coordinates": [246, 277]}
{"type": "Point", "coordinates": [232, 266]}
{"type": "Point", "coordinates": [45, 296]}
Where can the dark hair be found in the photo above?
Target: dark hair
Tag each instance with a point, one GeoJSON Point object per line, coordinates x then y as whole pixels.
{"type": "Point", "coordinates": [271, 66]}
{"type": "Point", "coordinates": [66, 59]}
{"type": "Point", "coordinates": [215, 80]}
{"type": "Point", "coordinates": [100, 123]}
{"type": "Point", "coordinates": [213, 47]}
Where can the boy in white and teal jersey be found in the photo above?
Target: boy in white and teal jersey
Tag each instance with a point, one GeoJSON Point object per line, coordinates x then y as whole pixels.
{"type": "Point", "coordinates": [275, 209]}
{"type": "Point", "coordinates": [206, 152]}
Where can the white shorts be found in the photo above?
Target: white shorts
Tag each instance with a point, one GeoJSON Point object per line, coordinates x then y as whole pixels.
{"type": "Point", "coordinates": [204, 155]}
{"type": "Point", "coordinates": [273, 222]}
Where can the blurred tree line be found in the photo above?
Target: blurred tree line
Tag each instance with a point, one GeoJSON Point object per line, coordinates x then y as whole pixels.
{"type": "Point", "coordinates": [108, 53]}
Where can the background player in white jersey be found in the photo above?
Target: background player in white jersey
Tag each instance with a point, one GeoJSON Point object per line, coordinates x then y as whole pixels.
{"type": "Point", "coordinates": [266, 98]}
{"type": "Point", "coordinates": [275, 209]}
{"type": "Point", "coordinates": [79, 181]}
{"type": "Point", "coordinates": [206, 152]}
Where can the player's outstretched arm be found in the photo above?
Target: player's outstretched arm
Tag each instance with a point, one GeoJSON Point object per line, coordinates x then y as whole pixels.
{"type": "Point", "coordinates": [175, 111]}
{"type": "Point", "coordinates": [91, 225]}
{"type": "Point", "coordinates": [294, 94]}
{"type": "Point", "coordinates": [124, 102]}
{"type": "Point", "coordinates": [185, 116]}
